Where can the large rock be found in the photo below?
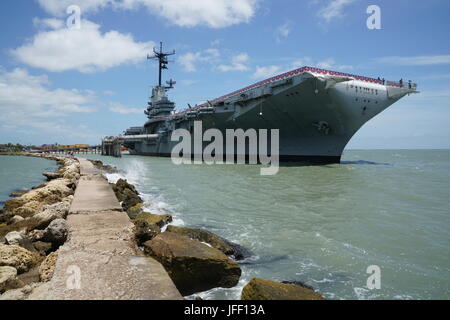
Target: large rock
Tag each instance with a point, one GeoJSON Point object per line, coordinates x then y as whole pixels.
{"type": "Point", "coordinates": [192, 265]}
{"type": "Point", "coordinates": [36, 235]}
{"type": "Point", "coordinates": [33, 201]}
{"type": "Point", "coordinates": [127, 194]}
{"type": "Point", "coordinates": [259, 289]}
{"type": "Point", "coordinates": [104, 167]}
{"type": "Point", "coordinates": [150, 218]}
{"type": "Point", "coordinates": [59, 209]}
{"type": "Point", "coordinates": [47, 267]}
{"type": "Point", "coordinates": [43, 219]}
{"type": "Point", "coordinates": [227, 247]}
{"type": "Point", "coordinates": [135, 210]}
{"type": "Point", "coordinates": [52, 175]}
{"type": "Point", "coordinates": [14, 238]}
{"type": "Point", "coordinates": [144, 231]}
{"type": "Point", "coordinates": [43, 248]}
{"type": "Point", "coordinates": [16, 219]}
{"type": "Point", "coordinates": [35, 291]}
{"type": "Point", "coordinates": [18, 257]}
{"type": "Point", "coordinates": [130, 200]}
{"type": "Point", "coordinates": [51, 212]}
{"type": "Point", "coordinates": [56, 232]}
{"type": "Point", "coordinates": [123, 184]}
{"type": "Point", "coordinates": [29, 209]}
{"type": "Point", "coordinates": [70, 170]}
{"type": "Point", "coordinates": [18, 193]}
{"type": "Point", "coordinates": [8, 279]}
{"type": "Point", "coordinates": [19, 239]}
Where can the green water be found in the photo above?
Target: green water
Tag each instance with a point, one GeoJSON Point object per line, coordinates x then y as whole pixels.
{"type": "Point", "coordinates": [323, 225]}
{"type": "Point", "coordinates": [21, 173]}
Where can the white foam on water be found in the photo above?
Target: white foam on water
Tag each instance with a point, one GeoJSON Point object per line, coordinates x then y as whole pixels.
{"type": "Point", "coordinates": [224, 293]}
{"type": "Point", "coordinates": [134, 173]}
{"type": "Point", "coordinates": [403, 297]}
{"type": "Point", "coordinates": [114, 177]}
{"type": "Point", "coordinates": [365, 294]}
{"type": "Point", "coordinates": [324, 280]}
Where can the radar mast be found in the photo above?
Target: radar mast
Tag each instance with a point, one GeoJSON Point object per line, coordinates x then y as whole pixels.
{"type": "Point", "coordinates": [161, 56]}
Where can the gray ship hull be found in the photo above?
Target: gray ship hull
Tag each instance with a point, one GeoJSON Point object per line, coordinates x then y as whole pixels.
{"type": "Point", "coordinates": [316, 114]}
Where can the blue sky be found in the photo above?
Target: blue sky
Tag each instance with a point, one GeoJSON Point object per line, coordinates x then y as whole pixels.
{"type": "Point", "coordinates": [78, 85]}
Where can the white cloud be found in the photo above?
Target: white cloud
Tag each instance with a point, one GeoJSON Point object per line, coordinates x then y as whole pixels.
{"type": "Point", "coordinates": [25, 95]}
{"type": "Point", "coordinates": [190, 60]}
{"type": "Point", "coordinates": [238, 63]}
{"type": "Point", "coordinates": [27, 102]}
{"type": "Point", "coordinates": [213, 52]}
{"type": "Point", "coordinates": [120, 108]}
{"type": "Point", "coordinates": [31, 110]}
{"type": "Point", "coordinates": [184, 13]}
{"type": "Point", "coordinates": [210, 13]}
{"type": "Point", "coordinates": [333, 10]}
{"type": "Point", "coordinates": [416, 61]}
{"type": "Point", "coordinates": [266, 72]}
{"type": "Point", "coordinates": [51, 23]}
{"type": "Point", "coordinates": [58, 7]}
{"type": "Point", "coordinates": [328, 63]}
{"type": "Point", "coordinates": [263, 72]}
{"type": "Point", "coordinates": [86, 50]}
{"type": "Point", "coordinates": [284, 30]}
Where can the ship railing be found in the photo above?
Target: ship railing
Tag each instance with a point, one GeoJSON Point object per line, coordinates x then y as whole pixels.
{"type": "Point", "coordinates": [312, 70]}
{"type": "Point", "coordinates": [402, 84]}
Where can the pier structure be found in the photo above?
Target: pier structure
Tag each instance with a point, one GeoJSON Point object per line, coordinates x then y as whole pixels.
{"type": "Point", "coordinates": [111, 146]}
{"type": "Point", "coordinates": [75, 150]}
{"type": "Point", "coordinates": [101, 261]}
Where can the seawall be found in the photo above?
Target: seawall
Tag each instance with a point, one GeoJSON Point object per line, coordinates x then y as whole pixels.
{"type": "Point", "coordinates": [83, 244]}
{"type": "Point", "coordinates": [102, 248]}
{"type": "Point", "coordinates": [100, 259]}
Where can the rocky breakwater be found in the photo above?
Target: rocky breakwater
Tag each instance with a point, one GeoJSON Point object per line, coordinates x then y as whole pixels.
{"type": "Point", "coordinates": [260, 289]}
{"type": "Point", "coordinates": [196, 260]}
{"type": "Point", "coordinates": [33, 227]}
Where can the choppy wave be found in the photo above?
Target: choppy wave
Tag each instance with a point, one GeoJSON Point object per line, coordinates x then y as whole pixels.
{"type": "Point", "coordinates": [322, 225]}
{"type": "Point", "coordinates": [154, 202]}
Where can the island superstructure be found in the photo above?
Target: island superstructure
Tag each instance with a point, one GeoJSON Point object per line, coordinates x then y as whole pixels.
{"type": "Point", "coordinates": [317, 112]}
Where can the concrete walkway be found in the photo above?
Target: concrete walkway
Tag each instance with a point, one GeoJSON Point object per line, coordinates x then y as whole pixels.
{"type": "Point", "coordinates": [94, 194]}
{"type": "Point", "coordinates": [101, 261]}
{"type": "Point", "coordinates": [87, 167]}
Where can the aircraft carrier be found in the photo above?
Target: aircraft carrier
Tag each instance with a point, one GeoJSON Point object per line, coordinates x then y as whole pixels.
{"type": "Point", "coordinates": [317, 112]}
